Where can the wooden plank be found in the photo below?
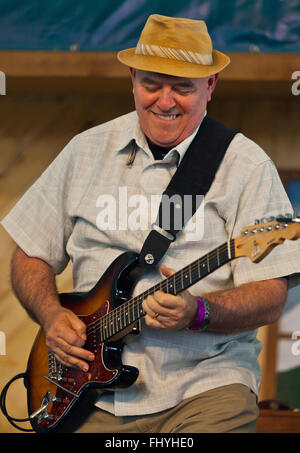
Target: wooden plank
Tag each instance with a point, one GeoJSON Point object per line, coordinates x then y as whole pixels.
{"type": "Point", "coordinates": [61, 64]}
{"type": "Point", "coordinates": [278, 421]}
{"type": "Point", "coordinates": [262, 66]}
{"type": "Point", "coordinates": [244, 66]}
{"type": "Point", "coordinates": [287, 143]}
{"type": "Point", "coordinates": [267, 360]}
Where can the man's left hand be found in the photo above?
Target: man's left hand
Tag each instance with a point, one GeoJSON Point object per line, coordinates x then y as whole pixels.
{"type": "Point", "coordinates": [170, 312]}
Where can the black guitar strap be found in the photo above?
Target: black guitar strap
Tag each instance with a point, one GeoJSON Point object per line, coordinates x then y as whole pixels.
{"type": "Point", "coordinates": [193, 177]}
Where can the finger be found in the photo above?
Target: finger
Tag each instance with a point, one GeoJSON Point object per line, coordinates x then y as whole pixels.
{"type": "Point", "coordinates": [71, 329]}
{"type": "Point", "coordinates": [166, 271]}
{"type": "Point", "coordinates": [152, 307]}
{"type": "Point", "coordinates": [154, 323]}
{"type": "Point", "coordinates": [167, 306]}
{"type": "Point", "coordinates": [72, 355]}
{"type": "Point", "coordinates": [71, 362]}
{"type": "Point", "coordinates": [165, 301]}
{"type": "Point", "coordinates": [76, 351]}
{"type": "Point", "coordinates": [78, 326]}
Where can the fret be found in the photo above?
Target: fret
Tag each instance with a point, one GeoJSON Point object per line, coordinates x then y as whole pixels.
{"type": "Point", "coordinates": [132, 310]}
{"type": "Point", "coordinates": [101, 333]}
{"type": "Point", "coordinates": [228, 250]}
{"type": "Point", "coordinates": [232, 249]}
{"type": "Point", "coordinates": [119, 324]}
{"type": "Point", "coordinates": [111, 325]}
{"type": "Point", "coordinates": [105, 329]}
{"type": "Point", "coordinates": [174, 283]}
{"type": "Point", "coordinates": [124, 310]}
{"type": "Point", "coordinates": [204, 271]}
{"type": "Point", "coordinates": [136, 311]}
{"type": "Point", "coordinates": [224, 258]}
{"type": "Point", "coordinates": [111, 321]}
{"type": "Point", "coordinates": [141, 310]}
{"type": "Point", "coordinates": [195, 275]}
{"type": "Point", "coordinates": [108, 324]}
{"type": "Point", "coordinates": [128, 315]}
{"type": "Point", "coordinates": [114, 324]}
{"type": "Point", "coordinates": [186, 278]}
{"type": "Point", "coordinates": [170, 286]}
{"type": "Point", "coordinates": [213, 260]}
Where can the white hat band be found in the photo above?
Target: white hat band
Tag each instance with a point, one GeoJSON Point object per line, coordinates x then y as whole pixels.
{"type": "Point", "coordinates": [174, 54]}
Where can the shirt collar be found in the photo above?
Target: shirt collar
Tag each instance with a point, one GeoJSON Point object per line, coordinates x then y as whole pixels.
{"type": "Point", "coordinates": [135, 133]}
{"type": "Point", "coordinates": [183, 146]}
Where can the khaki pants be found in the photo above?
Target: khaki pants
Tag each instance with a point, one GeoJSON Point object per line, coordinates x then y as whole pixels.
{"type": "Point", "coordinates": [228, 409]}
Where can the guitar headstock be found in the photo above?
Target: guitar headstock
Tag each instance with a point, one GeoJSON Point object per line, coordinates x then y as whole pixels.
{"type": "Point", "coordinates": [257, 241]}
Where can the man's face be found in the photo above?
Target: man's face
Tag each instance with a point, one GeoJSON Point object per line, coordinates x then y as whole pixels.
{"type": "Point", "coordinates": [170, 108]}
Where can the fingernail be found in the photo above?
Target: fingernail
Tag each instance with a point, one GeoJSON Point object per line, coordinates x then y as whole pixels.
{"type": "Point", "coordinates": [85, 368]}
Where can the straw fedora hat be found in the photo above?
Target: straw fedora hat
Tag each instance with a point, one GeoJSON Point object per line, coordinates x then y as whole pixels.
{"type": "Point", "coordinates": [175, 46]}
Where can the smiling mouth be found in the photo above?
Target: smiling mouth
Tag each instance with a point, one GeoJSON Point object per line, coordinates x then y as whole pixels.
{"type": "Point", "coordinates": [166, 117]}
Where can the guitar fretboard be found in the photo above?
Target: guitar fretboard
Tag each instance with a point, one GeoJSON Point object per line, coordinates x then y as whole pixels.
{"type": "Point", "coordinates": [131, 311]}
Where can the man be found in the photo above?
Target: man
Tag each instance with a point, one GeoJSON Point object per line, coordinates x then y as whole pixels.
{"type": "Point", "coordinates": [191, 379]}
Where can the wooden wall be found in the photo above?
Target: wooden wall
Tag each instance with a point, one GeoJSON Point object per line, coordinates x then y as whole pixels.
{"type": "Point", "coordinates": [39, 114]}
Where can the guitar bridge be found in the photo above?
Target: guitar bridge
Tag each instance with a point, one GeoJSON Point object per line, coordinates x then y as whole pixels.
{"type": "Point", "coordinates": [55, 375]}
{"type": "Point", "coordinates": [55, 382]}
{"type": "Point", "coordinates": [55, 367]}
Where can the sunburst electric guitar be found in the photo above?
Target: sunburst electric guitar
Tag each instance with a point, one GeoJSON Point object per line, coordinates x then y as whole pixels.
{"type": "Point", "coordinates": [110, 313]}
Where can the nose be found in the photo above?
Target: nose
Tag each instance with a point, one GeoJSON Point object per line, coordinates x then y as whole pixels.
{"type": "Point", "coordinates": [166, 101]}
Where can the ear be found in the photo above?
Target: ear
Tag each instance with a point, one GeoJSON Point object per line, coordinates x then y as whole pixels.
{"type": "Point", "coordinates": [132, 74]}
{"type": "Point", "coordinates": [212, 82]}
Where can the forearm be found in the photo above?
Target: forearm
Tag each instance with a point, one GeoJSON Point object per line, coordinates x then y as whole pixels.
{"type": "Point", "coordinates": [34, 284]}
{"type": "Point", "coordinates": [247, 307]}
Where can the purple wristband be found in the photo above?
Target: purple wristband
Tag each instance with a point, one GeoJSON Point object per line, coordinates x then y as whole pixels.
{"type": "Point", "coordinates": [200, 315]}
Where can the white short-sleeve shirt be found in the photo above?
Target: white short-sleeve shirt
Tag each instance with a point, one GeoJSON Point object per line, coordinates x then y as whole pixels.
{"type": "Point", "coordinates": [89, 206]}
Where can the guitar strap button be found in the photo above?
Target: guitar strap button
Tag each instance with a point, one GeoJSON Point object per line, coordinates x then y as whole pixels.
{"type": "Point", "coordinates": [149, 258]}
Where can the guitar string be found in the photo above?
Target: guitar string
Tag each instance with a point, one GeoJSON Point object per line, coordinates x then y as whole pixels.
{"type": "Point", "coordinates": [214, 257]}
{"type": "Point", "coordinates": [104, 321]}
{"type": "Point", "coordinates": [177, 277]}
{"type": "Point", "coordinates": [173, 281]}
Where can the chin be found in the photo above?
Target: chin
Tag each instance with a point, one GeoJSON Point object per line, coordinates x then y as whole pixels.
{"type": "Point", "coordinates": [164, 142]}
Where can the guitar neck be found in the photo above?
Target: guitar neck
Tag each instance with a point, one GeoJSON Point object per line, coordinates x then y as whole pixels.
{"type": "Point", "coordinates": [131, 311]}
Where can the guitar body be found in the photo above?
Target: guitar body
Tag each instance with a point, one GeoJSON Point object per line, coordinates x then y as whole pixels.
{"type": "Point", "coordinates": [66, 387]}
{"type": "Point", "coordinates": [54, 391]}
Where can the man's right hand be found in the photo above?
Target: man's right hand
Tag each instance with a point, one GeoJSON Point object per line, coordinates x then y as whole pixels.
{"type": "Point", "coordinates": [34, 284]}
{"type": "Point", "coordinates": [65, 337]}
